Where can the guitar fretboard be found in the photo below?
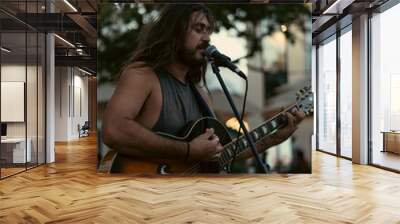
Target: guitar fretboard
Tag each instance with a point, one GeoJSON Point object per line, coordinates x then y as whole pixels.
{"type": "Point", "coordinates": [240, 144]}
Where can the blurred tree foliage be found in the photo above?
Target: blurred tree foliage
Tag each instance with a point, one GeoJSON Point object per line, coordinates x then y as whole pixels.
{"type": "Point", "coordinates": [119, 25]}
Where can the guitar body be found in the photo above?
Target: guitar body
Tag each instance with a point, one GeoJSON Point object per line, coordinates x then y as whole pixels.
{"type": "Point", "coordinates": [114, 162]}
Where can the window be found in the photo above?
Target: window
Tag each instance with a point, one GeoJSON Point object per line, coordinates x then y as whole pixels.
{"type": "Point", "coordinates": [327, 96]}
{"type": "Point", "coordinates": [23, 81]}
{"type": "Point", "coordinates": [346, 92]}
{"type": "Point", "coordinates": [385, 85]}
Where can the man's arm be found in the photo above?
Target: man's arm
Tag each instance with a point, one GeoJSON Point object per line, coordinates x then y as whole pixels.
{"type": "Point", "coordinates": [269, 141]}
{"type": "Point", "coordinates": [120, 130]}
{"type": "Point", "coordinates": [123, 133]}
{"type": "Point", "coordinates": [278, 137]}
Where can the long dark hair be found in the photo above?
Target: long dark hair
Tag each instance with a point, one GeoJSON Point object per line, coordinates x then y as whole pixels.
{"type": "Point", "coordinates": [160, 41]}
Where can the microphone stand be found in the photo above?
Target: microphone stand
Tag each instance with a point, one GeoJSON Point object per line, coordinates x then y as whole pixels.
{"type": "Point", "coordinates": [235, 111]}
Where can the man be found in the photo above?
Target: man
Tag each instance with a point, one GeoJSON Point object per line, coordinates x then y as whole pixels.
{"type": "Point", "coordinates": [159, 91]}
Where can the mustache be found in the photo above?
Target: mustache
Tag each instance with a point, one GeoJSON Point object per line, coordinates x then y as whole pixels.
{"type": "Point", "coordinates": [203, 45]}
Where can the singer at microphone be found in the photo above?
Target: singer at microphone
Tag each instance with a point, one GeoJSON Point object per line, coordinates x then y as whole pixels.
{"type": "Point", "coordinates": [161, 90]}
{"type": "Point", "coordinates": [222, 60]}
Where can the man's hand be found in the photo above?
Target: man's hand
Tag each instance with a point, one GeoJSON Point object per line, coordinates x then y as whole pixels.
{"type": "Point", "coordinates": [280, 135]}
{"type": "Point", "coordinates": [205, 146]}
{"type": "Point", "coordinates": [285, 132]}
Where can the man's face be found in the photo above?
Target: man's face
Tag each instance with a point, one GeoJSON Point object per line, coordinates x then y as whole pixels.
{"type": "Point", "coordinates": [196, 41]}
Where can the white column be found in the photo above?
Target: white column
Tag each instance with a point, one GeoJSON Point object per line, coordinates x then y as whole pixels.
{"type": "Point", "coordinates": [50, 93]}
{"type": "Point", "coordinates": [360, 90]}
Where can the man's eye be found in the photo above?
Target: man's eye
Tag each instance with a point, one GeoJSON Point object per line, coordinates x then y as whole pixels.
{"type": "Point", "coordinates": [201, 29]}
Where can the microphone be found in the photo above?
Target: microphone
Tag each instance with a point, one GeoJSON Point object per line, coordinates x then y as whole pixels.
{"type": "Point", "coordinates": [222, 60]}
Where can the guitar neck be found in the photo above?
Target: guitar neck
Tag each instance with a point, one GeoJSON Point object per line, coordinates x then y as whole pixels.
{"type": "Point", "coordinates": [241, 144]}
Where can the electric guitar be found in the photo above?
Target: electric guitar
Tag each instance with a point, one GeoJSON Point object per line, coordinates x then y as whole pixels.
{"type": "Point", "coordinates": [114, 162]}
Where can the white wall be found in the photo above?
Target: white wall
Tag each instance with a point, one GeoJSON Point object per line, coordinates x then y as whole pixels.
{"type": "Point", "coordinates": [80, 104]}
{"type": "Point", "coordinates": [16, 73]}
{"type": "Point", "coordinates": [71, 94]}
{"type": "Point", "coordinates": [33, 126]}
{"type": "Point", "coordinates": [61, 103]}
{"type": "Point", "coordinates": [12, 101]}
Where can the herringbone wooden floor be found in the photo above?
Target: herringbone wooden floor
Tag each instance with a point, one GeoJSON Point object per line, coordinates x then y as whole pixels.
{"type": "Point", "coordinates": [70, 191]}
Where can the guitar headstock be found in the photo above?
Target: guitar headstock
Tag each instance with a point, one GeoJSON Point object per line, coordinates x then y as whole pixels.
{"type": "Point", "coordinates": [305, 100]}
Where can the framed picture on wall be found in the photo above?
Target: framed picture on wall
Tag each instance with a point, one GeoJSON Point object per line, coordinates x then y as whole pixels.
{"type": "Point", "coordinates": [12, 101]}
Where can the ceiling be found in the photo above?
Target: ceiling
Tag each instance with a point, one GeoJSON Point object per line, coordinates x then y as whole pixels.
{"type": "Point", "coordinates": [337, 13]}
{"type": "Point", "coordinates": [76, 24]}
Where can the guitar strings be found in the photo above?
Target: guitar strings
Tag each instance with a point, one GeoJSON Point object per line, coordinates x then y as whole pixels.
{"type": "Point", "coordinates": [197, 167]}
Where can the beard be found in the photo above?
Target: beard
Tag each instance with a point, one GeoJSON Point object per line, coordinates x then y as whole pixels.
{"type": "Point", "coordinates": [188, 57]}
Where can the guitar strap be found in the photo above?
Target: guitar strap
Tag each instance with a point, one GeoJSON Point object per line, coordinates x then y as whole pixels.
{"type": "Point", "coordinates": [207, 112]}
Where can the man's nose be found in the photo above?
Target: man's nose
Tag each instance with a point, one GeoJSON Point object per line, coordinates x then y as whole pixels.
{"type": "Point", "coordinates": [206, 37]}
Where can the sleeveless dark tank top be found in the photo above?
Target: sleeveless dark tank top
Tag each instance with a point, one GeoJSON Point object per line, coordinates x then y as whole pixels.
{"type": "Point", "coordinates": [181, 104]}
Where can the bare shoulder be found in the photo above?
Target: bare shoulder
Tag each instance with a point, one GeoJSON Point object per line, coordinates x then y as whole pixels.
{"type": "Point", "coordinates": [135, 84]}
{"type": "Point", "coordinates": [138, 73]}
